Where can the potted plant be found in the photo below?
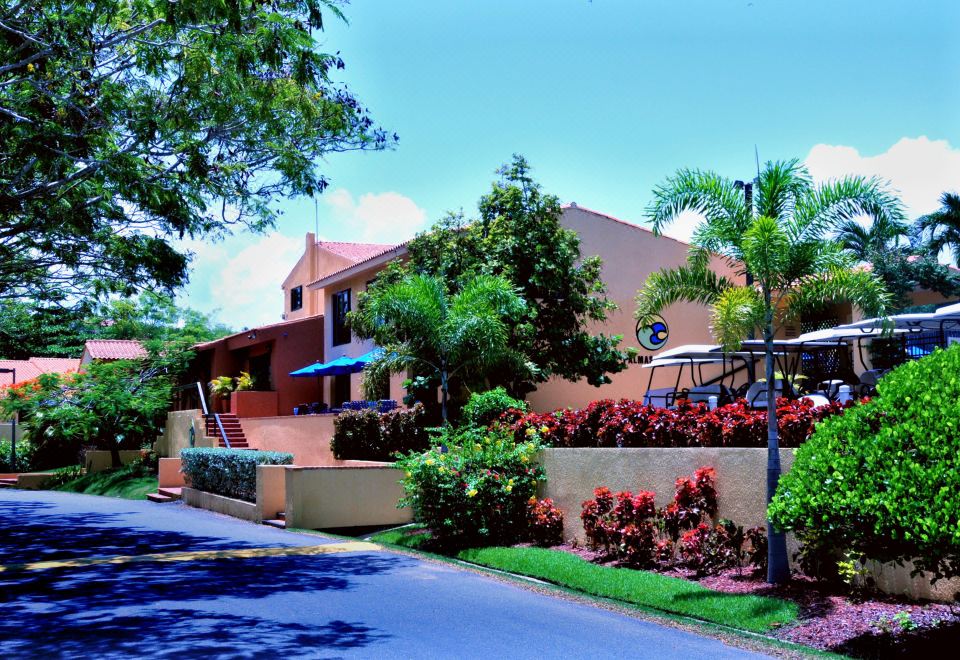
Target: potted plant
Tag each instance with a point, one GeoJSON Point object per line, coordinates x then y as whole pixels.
{"type": "Point", "coordinates": [244, 382]}
{"type": "Point", "coordinates": [220, 389]}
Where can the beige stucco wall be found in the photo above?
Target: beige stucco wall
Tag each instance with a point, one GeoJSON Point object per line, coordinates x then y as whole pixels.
{"type": "Point", "coordinates": [176, 433]}
{"type": "Point", "coordinates": [221, 504]}
{"type": "Point", "coordinates": [307, 437]}
{"type": "Point", "coordinates": [630, 254]}
{"type": "Point", "coordinates": [572, 474]}
{"type": "Point", "coordinates": [271, 490]}
{"type": "Point", "coordinates": [169, 474]}
{"type": "Point", "coordinates": [98, 460]}
{"type": "Point", "coordinates": [328, 497]}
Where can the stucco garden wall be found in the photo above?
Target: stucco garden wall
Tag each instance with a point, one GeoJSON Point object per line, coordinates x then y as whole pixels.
{"type": "Point", "coordinates": [176, 433]}
{"type": "Point", "coordinates": [344, 496]}
{"type": "Point", "coordinates": [307, 437]}
{"type": "Point", "coordinates": [98, 460]}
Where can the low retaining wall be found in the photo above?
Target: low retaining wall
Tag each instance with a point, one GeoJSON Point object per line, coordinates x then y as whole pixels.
{"type": "Point", "coordinates": [170, 475]}
{"type": "Point", "coordinates": [220, 504]}
{"type": "Point", "coordinates": [271, 490]}
{"type": "Point", "coordinates": [307, 437]}
{"type": "Point", "coordinates": [344, 496]}
{"type": "Point", "coordinates": [98, 460]}
{"type": "Point", "coordinates": [176, 433]}
{"type": "Point", "coordinates": [572, 474]}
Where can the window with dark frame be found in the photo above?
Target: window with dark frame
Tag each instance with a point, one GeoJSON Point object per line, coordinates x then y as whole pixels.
{"type": "Point", "coordinates": [341, 307]}
{"type": "Point", "coordinates": [296, 298]}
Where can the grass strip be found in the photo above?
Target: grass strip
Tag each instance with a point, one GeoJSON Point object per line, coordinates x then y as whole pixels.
{"type": "Point", "coordinates": [744, 611]}
{"type": "Point", "coordinates": [126, 483]}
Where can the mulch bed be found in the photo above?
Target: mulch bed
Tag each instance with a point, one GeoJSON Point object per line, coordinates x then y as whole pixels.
{"type": "Point", "coordinates": [863, 626]}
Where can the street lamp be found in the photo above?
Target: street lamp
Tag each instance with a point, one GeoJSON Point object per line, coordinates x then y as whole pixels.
{"type": "Point", "coordinates": [13, 423]}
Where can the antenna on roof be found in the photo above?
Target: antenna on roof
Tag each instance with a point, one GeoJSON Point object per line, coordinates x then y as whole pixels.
{"type": "Point", "coordinates": [756, 155]}
{"type": "Point", "coordinates": [316, 218]}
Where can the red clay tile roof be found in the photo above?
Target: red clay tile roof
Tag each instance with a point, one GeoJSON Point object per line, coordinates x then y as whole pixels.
{"type": "Point", "coordinates": [388, 248]}
{"type": "Point", "coordinates": [114, 349]}
{"type": "Point", "coordinates": [356, 251]}
{"type": "Point", "coordinates": [29, 369]}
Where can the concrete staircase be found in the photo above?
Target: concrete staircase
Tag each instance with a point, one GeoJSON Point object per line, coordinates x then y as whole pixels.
{"type": "Point", "coordinates": [279, 522]}
{"type": "Point", "coordinates": [164, 495]}
{"type": "Point", "coordinates": [8, 483]}
{"type": "Point", "coordinates": [231, 425]}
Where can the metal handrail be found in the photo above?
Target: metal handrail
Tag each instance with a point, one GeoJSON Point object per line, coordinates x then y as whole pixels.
{"type": "Point", "coordinates": [223, 432]}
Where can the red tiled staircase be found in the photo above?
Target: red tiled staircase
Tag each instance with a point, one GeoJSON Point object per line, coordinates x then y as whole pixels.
{"type": "Point", "coordinates": [165, 495]}
{"type": "Point", "coordinates": [231, 425]}
{"type": "Point", "coordinates": [280, 521]}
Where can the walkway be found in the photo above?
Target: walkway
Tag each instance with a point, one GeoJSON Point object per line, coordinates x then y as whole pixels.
{"type": "Point", "coordinates": [84, 576]}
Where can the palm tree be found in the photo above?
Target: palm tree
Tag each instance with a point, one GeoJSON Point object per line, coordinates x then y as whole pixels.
{"type": "Point", "coordinates": [941, 229]}
{"type": "Point", "coordinates": [867, 242]}
{"type": "Point", "coordinates": [784, 244]}
{"type": "Point", "coordinates": [420, 326]}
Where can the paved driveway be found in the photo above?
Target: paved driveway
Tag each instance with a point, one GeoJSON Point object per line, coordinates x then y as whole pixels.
{"type": "Point", "coordinates": [84, 576]}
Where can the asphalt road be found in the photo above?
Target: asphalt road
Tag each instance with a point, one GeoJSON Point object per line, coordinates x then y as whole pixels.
{"type": "Point", "coordinates": [84, 576]}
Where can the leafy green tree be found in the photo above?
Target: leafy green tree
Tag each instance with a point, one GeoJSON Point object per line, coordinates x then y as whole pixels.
{"type": "Point", "coordinates": [110, 405]}
{"type": "Point", "coordinates": [420, 326]}
{"type": "Point", "coordinates": [38, 328]}
{"type": "Point", "coordinates": [784, 243]}
{"type": "Point", "coordinates": [154, 317]}
{"type": "Point", "coordinates": [126, 124]}
{"type": "Point", "coordinates": [518, 236]}
{"type": "Point", "coordinates": [940, 230]}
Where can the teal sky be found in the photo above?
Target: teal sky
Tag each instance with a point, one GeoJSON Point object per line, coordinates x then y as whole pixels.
{"type": "Point", "coordinates": [605, 99]}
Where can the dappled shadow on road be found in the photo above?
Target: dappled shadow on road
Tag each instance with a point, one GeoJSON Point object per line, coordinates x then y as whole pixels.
{"type": "Point", "coordinates": [33, 532]}
{"type": "Point", "coordinates": [182, 608]}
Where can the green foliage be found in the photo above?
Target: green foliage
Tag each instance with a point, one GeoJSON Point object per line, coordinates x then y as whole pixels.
{"type": "Point", "coordinates": [880, 480]}
{"type": "Point", "coordinates": [228, 472]}
{"type": "Point", "coordinates": [127, 125]}
{"type": "Point", "coordinates": [24, 462]}
{"type": "Point", "coordinates": [130, 482]}
{"type": "Point", "coordinates": [473, 488]}
{"type": "Point", "coordinates": [111, 405]}
{"type": "Point", "coordinates": [483, 408]}
{"type": "Point", "coordinates": [244, 382]}
{"type": "Point", "coordinates": [221, 386]}
{"type": "Point", "coordinates": [941, 229]}
{"type": "Point", "coordinates": [63, 476]}
{"type": "Point", "coordinates": [518, 236]}
{"type": "Point", "coordinates": [356, 435]}
{"type": "Point", "coordinates": [421, 326]}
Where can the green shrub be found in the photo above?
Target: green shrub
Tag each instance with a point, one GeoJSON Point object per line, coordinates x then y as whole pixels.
{"type": "Point", "coordinates": [882, 479]}
{"type": "Point", "coordinates": [62, 476]}
{"type": "Point", "coordinates": [484, 408]}
{"type": "Point", "coordinates": [228, 472]}
{"type": "Point", "coordinates": [24, 456]}
{"type": "Point", "coordinates": [474, 488]}
{"type": "Point", "coordinates": [366, 435]}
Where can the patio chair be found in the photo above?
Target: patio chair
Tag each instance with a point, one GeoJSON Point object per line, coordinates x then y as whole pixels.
{"type": "Point", "coordinates": [702, 393]}
{"type": "Point", "coordinates": [386, 405]}
{"type": "Point", "coordinates": [816, 399]}
{"type": "Point", "coordinates": [664, 397]}
{"type": "Point", "coordinates": [756, 394]}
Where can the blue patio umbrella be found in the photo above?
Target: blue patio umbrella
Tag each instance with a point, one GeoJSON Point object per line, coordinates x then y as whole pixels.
{"type": "Point", "coordinates": [338, 367]}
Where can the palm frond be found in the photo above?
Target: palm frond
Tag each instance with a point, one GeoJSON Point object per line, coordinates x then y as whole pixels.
{"type": "Point", "coordinates": [827, 207]}
{"type": "Point", "coordinates": [781, 184]}
{"type": "Point", "coordinates": [860, 287]}
{"type": "Point", "coordinates": [736, 312]}
{"type": "Point", "coordinates": [668, 286]}
{"type": "Point", "coordinates": [766, 249]}
{"type": "Point", "coordinates": [707, 193]}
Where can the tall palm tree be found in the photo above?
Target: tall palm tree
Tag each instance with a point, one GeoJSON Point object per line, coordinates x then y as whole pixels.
{"type": "Point", "coordinates": [783, 241]}
{"type": "Point", "coordinates": [420, 326]}
{"type": "Point", "coordinates": [941, 229]}
{"type": "Point", "coordinates": [865, 242]}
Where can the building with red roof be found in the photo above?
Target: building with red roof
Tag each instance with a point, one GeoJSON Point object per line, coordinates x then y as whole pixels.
{"type": "Point", "coordinates": [112, 349]}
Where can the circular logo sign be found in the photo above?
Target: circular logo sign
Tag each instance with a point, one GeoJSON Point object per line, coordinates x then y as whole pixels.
{"type": "Point", "coordinates": [654, 335]}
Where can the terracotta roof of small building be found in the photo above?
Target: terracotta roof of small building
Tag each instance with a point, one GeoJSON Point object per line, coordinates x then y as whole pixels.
{"type": "Point", "coordinates": [356, 251]}
{"type": "Point", "coordinates": [387, 249]}
{"type": "Point", "coordinates": [114, 349]}
{"type": "Point", "coordinates": [30, 369]}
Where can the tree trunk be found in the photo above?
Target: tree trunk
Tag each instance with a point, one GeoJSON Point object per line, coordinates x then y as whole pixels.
{"type": "Point", "coordinates": [778, 567]}
{"type": "Point", "coordinates": [115, 454]}
{"type": "Point", "coordinates": [443, 395]}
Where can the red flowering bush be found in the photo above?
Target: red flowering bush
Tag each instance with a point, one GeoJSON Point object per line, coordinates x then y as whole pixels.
{"type": "Point", "coordinates": [545, 522]}
{"type": "Point", "coordinates": [631, 529]}
{"type": "Point", "coordinates": [756, 554]}
{"type": "Point", "coordinates": [628, 423]}
{"type": "Point", "coordinates": [708, 549]}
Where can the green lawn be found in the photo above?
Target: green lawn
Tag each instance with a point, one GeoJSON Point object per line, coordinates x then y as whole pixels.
{"type": "Point", "coordinates": [643, 588]}
{"type": "Point", "coordinates": [127, 483]}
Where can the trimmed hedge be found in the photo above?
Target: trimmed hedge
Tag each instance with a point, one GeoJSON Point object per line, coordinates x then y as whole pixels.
{"type": "Point", "coordinates": [228, 472]}
{"type": "Point", "coordinates": [484, 408]}
{"type": "Point", "coordinates": [366, 435]}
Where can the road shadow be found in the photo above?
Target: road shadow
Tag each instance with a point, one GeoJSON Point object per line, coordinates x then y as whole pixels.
{"type": "Point", "coordinates": [32, 532]}
{"type": "Point", "coordinates": [166, 609]}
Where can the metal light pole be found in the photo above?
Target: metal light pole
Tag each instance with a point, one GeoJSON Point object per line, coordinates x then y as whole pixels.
{"type": "Point", "coordinates": [13, 423]}
{"type": "Point", "coordinates": [747, 188]}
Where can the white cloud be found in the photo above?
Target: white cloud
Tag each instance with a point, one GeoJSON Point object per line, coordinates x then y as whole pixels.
{"type": "Point", "coordinates": [239, 278]}
{"type": "Point", "coordinates": [387, 217]}
{"type": "Point", "coordinates": [918, 169]}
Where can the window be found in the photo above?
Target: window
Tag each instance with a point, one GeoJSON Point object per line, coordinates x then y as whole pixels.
{"type": "Point", "coordinates": [341, 390]}
{"type": "Point", "coordinates": [296, 298]}
{"type": "Point", "coordinates": [341, 306]}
